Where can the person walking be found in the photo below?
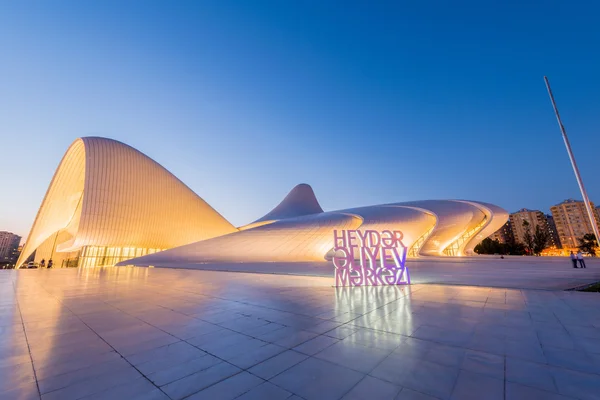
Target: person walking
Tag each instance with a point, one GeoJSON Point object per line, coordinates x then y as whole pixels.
{"type": "Point", "coordinates": [43, 263]}
{"type": "Point", "coordinates": [50, 263]}
{"type": "Point", "coordinates": [574, 259]}
{"type": "Point", "coordinates": [580, 259]}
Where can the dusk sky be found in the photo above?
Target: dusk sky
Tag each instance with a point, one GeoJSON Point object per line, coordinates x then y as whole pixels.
{"type": "Point", "coordinates": [369, 102]}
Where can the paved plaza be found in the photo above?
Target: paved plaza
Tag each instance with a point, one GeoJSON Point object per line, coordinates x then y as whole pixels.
{"type": "Point", "coordinates": [149, 333]}
{"type": "Point", "coordinates": [517, 272]}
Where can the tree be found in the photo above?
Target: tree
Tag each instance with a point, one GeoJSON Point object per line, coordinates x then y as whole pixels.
{"type": "Point", "coordinates": [588, 244]}
{"type": "Point", "coordinates": [511, 247]}
{"type": "Point", "coordinates": [527, 238]}
{"type": "Point", "coordinates": [540, 240]}
{"type": "Point", "coordinates": [489, 246]}
{"type": "Point", "coordinates": [514, 248]}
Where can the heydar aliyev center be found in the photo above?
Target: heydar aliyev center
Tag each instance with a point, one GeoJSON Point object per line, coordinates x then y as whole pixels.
{"type": "Point", "coordinates": [109, 204]}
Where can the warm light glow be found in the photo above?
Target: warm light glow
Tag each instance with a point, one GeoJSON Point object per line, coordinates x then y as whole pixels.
{"type": "Point", "coordinates": [110, 204]}
{"type": "Point", "coordinates": [369, 258]}
{"type": "Point", "coordinates": [414, 249]}
{"type": "Point", "coordinates": [106, 194]}
{"type": "Point", "coordinates": [95, 256]}
{"type": "Point", "coordinates": [455, 247]}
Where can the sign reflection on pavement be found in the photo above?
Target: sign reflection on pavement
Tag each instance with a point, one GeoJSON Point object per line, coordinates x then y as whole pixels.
{"type": "Point", "coordinates": [369, 258]}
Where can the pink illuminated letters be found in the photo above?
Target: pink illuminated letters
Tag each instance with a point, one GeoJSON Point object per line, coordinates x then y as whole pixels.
{"type": "Point", "coordinates": [369, 258]}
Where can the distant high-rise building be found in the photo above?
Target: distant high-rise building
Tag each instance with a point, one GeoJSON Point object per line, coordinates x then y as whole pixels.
{"type": "Point", "coordinates": [535, 218]}
{"type": "Point", "coordinates": [9, 245]}
{"type": "Point", "coordinates": [504, 234]}
{"type": "Point", "coordinates": [554, 238]}
{"type": "Point", "coordinates": [572, 221]}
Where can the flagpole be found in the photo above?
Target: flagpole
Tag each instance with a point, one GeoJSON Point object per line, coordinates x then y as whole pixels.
{"type": "Point", "coordinates": [586, 200]}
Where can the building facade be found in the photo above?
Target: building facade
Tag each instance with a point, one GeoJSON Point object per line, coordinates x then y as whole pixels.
{"type": "Point", "coordinates": [504, 234]}
{"type": "Point", "coordinates": [553, 232]}
{"type": "Point", "coordinates": [9, 248]}
{"type": "Point", "coordinates": [572, 222]}
{"type": "Point", "coordinates": [108, 204]}
{"type": "Point", "coordinates": [297, 230]}
{"type": "Point", "coordinates": [534, 218]}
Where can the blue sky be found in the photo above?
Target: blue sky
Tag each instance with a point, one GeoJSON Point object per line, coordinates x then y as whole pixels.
{"type": "Point", "coordinates": [369, 102]}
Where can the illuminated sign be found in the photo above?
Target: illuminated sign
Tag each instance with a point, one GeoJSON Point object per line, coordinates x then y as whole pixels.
{"type": "Point", "coordinates": [369, 258]}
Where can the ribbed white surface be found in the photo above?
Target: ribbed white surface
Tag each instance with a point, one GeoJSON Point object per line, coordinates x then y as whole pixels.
{"type": "Point", "coordinates": [295, 239]}
{"type": "Point", "coordinates": [106, 193]}
{"type": "Point", "coordinates": [411, 221]}
{"type": "Point", "coordinates": [453, 219]}
{"type": "Point", "coordinates": [61, 200]}
{"type": "Point", "coordinates": [301, 200]}
{"type": "Point", "coordinates": [310, 238]}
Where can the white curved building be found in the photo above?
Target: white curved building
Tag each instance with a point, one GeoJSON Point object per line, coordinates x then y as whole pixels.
{"type": "Point", "coordinates": [300, 201]}
{"type": "Point", "coordinates": [298, 230]}
{"type": "Point", "coordinates": [110, 204]}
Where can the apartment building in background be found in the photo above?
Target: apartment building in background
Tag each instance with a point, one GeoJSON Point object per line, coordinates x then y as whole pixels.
{"type": "Point", "coordinates": [535, 218]}
{"type": "Point", "coordinates": [504, 234]}
{"type": "Point", "coordinates": [9, 247]}
{"type": "Point", "coordinates": [572, 222]}
{"type": "Point", "coordinates": [553, 232]}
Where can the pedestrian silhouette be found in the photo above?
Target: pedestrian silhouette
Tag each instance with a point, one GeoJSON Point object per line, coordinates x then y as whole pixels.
{"type": "Point", "coordinates": [581, 260]}
{"type": "Point", "coordinates": [574, 260]}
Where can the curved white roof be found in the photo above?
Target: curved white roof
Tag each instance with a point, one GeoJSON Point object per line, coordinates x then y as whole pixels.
{"type": "Point", "coordinates": [106, 193]}
{"type": "Point", "coordinates": [306, 238]}
{"type": "Point", "coordinates": [430, 228]}
{"type": "Point", "coordinates": [301, 200]}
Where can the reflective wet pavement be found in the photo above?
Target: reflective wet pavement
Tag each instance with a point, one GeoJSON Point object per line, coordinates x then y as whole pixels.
{"type": "Point", "coordinates": [136, 333]}
{"type": "Point", "coordinates": [512, 272]}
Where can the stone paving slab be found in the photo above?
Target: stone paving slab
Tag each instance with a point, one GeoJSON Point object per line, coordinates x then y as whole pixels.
{"type": "Point", "coordinates": [548, 273]}
{"type": "Point", "coordinates": [149, 333]}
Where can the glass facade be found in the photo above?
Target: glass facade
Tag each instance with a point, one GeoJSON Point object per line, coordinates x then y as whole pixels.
{"type": "Point", "coordinates": [97, 256]}
{"type": "Point", "coordinates": [454, 248]}
{"type": "Point", "coordinates": [414, 250]}
{"type": "Point", "coordinates": [107, 194]}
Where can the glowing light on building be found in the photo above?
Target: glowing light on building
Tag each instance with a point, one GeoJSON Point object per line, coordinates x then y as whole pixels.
{"type": "Point", "coordinates": [110, 204]}
{"type": "Point", "coordinates": [106, 196]}
{"type": "Point", "coordinates": [369, 258]}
